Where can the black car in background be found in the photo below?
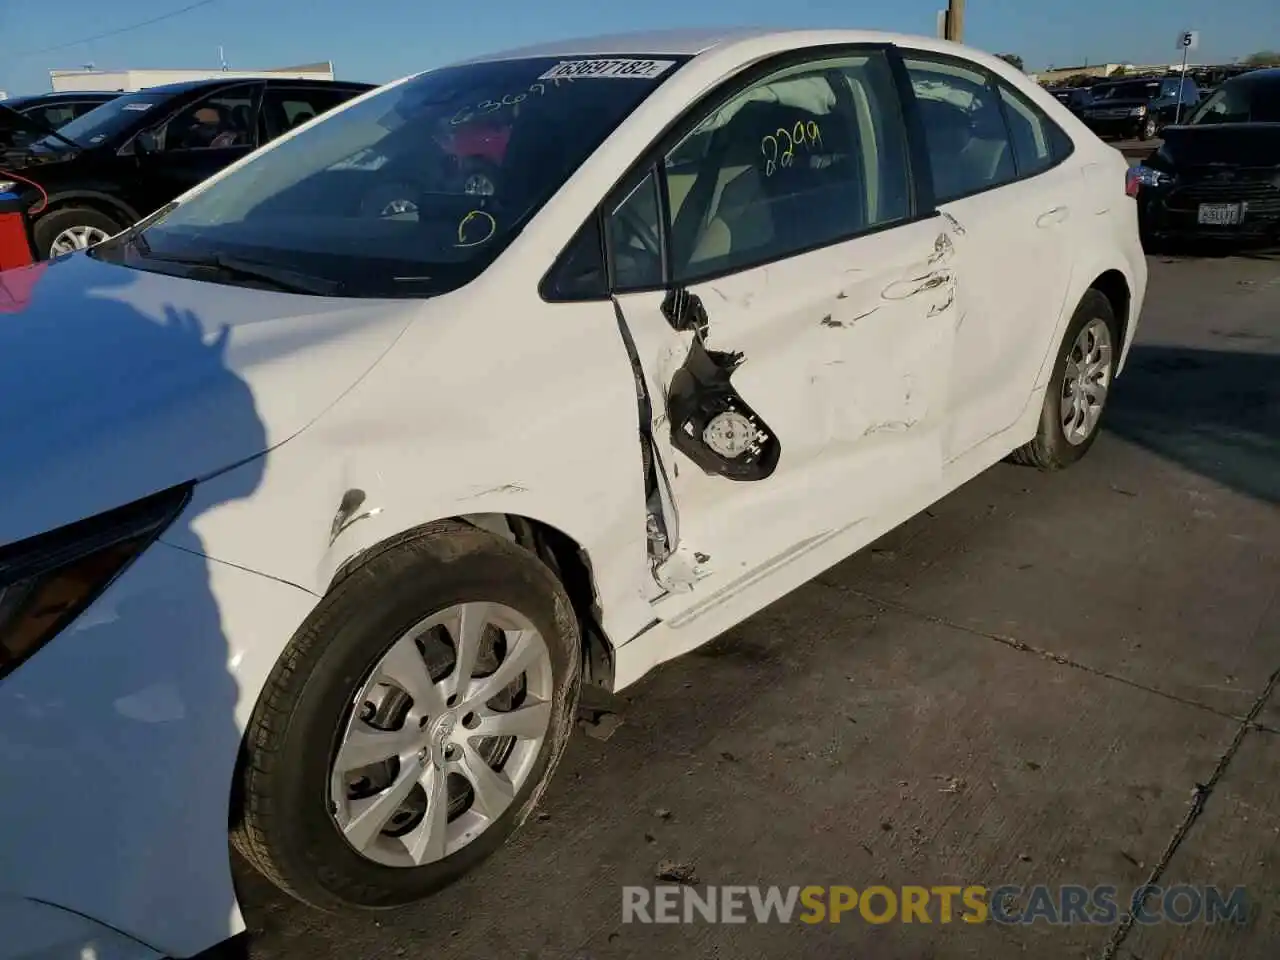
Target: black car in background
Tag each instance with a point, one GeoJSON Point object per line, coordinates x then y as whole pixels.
{"type": "Point", "coordinates": [1138, 108]}
{"type": "Point", "coordinates": [1074, 99]}
{"type": "Point", "coordinates": [1218, 176]}
{"type": "Point", "coordinates": [51, 110]}
{"type": "Point", "coordinates": [120, 162]}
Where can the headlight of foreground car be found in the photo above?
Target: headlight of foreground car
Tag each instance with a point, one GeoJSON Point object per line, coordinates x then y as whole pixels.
{"type": "Point", "coordinates": [6, 186]}
{"type": "Point", "coordinates": [1138, 112]}
{"type": "Point", "coordinates": [48, 580]}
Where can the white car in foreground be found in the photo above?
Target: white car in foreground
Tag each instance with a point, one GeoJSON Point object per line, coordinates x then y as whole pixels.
{"type": "Point", "coordinates": [324, 491]}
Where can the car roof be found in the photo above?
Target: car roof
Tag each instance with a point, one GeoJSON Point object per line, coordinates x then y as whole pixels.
{"type": "Point", "coordinates": [693, 42]}
{"type": "Point", "coordinates": [59, 95]}
{"type": "Point", "coordinates": [1262, 75]}
{"type": "Point", "coordinates": [184, 86]}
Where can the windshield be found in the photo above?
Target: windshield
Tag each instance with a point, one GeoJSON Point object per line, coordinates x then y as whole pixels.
{"type": "Point", "coordinates": [414, 191]}
{"type": "Point", "coordinates": [113, 117]}
{"type": "Point", "coordinates": [1127, 91]}
{"type": "Point", "coordinates": [1240, 103]}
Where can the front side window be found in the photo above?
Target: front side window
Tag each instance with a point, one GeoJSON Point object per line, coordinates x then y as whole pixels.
{"type": "Point", "coordinates": [808, 156]}
{"type": "Point", "coordinates": [218, 122]}
{"type": "Point", "coordinates": [415, 190]}
{"type": "Point", "coordinates": [964, 128]}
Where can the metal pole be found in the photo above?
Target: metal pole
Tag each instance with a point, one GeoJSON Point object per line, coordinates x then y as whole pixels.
{"type": "Point", "coordinates": [1177, 117]}
{"type": "Point", "coordinates": [955, 20]}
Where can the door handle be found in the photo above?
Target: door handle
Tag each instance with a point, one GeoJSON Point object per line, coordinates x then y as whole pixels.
{"type": "Point", "coordinates": [1051, 217]}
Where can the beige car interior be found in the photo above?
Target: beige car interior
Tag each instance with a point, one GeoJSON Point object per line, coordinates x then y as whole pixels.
{"type": "Point", "coordinates": [743, 213]}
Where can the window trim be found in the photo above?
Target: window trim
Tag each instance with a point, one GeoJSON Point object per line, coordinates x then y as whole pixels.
{"type": "Point", "coordinates": [653, 155]}
{"type": "Point", "coordinates": [993, 82]}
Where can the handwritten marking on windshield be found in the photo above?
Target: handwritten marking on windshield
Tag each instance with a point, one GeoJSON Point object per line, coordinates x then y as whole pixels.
{"type": "Point", "coordinates": [485, 107]}
{"type": "Point", "coordinates": [802, 134]}
{"type": "Point", "coordinates": [490, 227]}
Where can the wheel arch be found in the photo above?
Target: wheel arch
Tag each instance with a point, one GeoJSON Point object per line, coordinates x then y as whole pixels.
{"type": "Point", "coordinates": [566, 557]}
{"type": "Point", "coordinates": [1113, 285]}
{"type": "Point", "coordinates": [95, 199]}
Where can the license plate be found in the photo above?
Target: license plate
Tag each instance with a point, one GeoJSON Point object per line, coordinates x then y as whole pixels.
{"type": "Point", "coordinates": [1219, 214]}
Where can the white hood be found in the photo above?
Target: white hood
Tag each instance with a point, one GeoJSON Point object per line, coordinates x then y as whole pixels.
{"type": "Point", "coordinates": [116, 383]}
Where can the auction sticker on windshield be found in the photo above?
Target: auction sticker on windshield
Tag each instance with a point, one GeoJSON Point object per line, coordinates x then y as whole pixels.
{"type": "Point", "coordinates": [619, 69]}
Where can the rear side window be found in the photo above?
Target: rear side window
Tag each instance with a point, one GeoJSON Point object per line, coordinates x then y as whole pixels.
{"type": "Point", "coordinates": [284, 108]}
{"type": "Point", "coordinates": [964, 128]}
{"type": "Point", "coordinates": [1038, 142]}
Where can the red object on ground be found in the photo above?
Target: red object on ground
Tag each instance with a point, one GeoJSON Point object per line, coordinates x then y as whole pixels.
{"type": "Point", "coordinates": [15, 248]}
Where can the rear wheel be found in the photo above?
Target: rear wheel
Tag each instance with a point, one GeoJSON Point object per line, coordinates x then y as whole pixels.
{"type": "Point", "coordinates": [69, 229]}
{"type": "Point", "coordinates": [412, 723]}
{"type": "Point", "coordinates": [1077, 394]}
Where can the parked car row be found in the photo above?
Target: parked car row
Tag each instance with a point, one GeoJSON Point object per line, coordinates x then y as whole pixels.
{"type": "Point", "coordinates": [1131, 109]}
{"type": "Point", "coordinates": [110, 166]}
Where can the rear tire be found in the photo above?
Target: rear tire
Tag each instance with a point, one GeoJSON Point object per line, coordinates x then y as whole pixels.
{"type": "Point", "coordinates": [58, 227]}
{"type": "Point", "coordinates": [1052, 448]}
{"type": "Point", "coordinates": [290, 807]}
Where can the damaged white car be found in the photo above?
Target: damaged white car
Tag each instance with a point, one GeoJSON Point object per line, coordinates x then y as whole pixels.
{"type": "Point", "coordinates": [327, 488]}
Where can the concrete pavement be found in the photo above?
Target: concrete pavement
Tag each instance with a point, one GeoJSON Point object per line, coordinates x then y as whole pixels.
{"type": "Point", "coordinates": [1060, 679]}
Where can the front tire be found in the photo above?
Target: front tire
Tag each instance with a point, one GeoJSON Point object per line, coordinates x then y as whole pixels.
{"type": "Point", "coordinates": [1150, 128]}
{"type": "Point", "coordinates": [1076, 397]}
{"type": "Point", "coordinates": [412, 722]}
{"type": "Point", "coordinates": [69, 229]}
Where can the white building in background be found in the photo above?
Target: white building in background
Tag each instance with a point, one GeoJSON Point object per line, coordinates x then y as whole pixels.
{"type": "Point", "coordinates": [131, 80]}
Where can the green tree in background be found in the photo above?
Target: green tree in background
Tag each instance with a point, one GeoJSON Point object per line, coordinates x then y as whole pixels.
{"type": "Point", "coordinates": [1263, 58]}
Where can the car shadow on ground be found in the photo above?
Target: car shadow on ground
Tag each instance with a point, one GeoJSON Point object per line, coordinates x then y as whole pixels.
{"type": "Point", "coordinates": [1214, 412]}
{"type": "Point", "coordinates": [1212, 250]}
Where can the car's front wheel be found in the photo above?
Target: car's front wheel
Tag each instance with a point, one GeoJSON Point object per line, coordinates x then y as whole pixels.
{"type": "Point", "coordinates": [69, 229]}
{"type": "Point", "coordinates": [1150, 127]}
{"type": "Point", "coordinates": [412, 722]}
{"type": "Point", "coordinates": [1077, 394]}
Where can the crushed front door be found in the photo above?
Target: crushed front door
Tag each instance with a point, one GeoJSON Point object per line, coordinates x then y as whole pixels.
{"type": "Point", "coordinates": [789, 401]}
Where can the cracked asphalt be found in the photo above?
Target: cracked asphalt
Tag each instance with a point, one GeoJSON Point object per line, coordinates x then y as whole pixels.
{"type": "Point", "coordinates": [1056, 679]}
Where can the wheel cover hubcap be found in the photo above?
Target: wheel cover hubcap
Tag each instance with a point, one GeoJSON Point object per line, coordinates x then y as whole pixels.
{"type": "Point", "coordinates": [77, 238]}
{"type": "Point", "coordinates": [442, 735]}
{"type": "Point", "coordinates": [1086, 382]}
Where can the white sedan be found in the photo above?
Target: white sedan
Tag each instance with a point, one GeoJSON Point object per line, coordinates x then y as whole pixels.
{"type": "Point", "coordinates": [326, 489]}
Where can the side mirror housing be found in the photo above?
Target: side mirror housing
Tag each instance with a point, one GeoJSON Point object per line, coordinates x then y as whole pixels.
{"type": "Point", "coordinates": [146, 142]}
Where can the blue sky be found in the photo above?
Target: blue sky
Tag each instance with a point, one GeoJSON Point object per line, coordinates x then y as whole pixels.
{"type": "Point", "coordinates": [377, 40]}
